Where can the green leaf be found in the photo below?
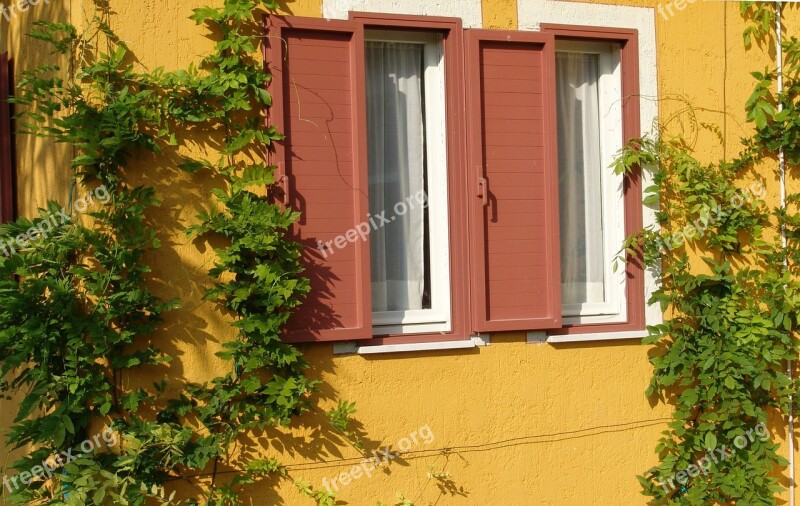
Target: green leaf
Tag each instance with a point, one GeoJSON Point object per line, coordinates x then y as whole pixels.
{"type": "Point", "coordinates": [710, 441]}
{"type": "Point", "coordinates": [99, 495]}
{"type": "Point", "coordinates": [68, 424]}
{"type": "Point", "coordinates": [59, 435]}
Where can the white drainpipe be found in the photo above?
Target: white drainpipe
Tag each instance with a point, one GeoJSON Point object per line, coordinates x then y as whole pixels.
{"type": "Point", "coordinates": [782, 169]}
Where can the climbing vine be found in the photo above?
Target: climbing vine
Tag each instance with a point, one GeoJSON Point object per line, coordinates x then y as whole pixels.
{"type": "Point", "coordinates": [76, 308]}
{"type": "Point", "coordinates": [730, 293]}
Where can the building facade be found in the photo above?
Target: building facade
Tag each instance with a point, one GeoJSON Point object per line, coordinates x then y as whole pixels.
{"type": "Point", "coordinates": [451, 160]}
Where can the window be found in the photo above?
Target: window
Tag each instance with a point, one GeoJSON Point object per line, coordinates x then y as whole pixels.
{"type": "Point", "coordinates": [455, 181]}
{"type": "Point", "coordinates": [617, 53]}
{"type": "Point", "coordinates": [407, 159]}
{"type": "Point", "coordinates": [591, 199]}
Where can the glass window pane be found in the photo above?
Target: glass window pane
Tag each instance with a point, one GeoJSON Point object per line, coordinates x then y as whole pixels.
{"type": "Point", "coordinates": [580, 188]}
{"type": "Point", "coordinates": [397, 173]}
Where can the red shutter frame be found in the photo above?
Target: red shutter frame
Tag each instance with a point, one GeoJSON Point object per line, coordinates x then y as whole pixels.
{"type": "Point", "coordinates": [516, 267]}
{"type": "Point", "coordinates": [8, 204]}
{"type": "Point", "coordinates": [319, 103]}
{"type": "Point", "coordinates": [628, 39]}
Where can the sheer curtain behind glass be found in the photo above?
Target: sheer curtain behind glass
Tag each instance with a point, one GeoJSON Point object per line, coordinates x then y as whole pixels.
{"type": "Point", "coordinates": [580, 190]}
{"type": "Point", "coordinates": [396, 144]}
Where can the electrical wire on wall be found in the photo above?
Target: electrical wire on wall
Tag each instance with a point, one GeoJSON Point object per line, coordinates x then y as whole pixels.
{"type": "Point", "coordinates": [553, 437]}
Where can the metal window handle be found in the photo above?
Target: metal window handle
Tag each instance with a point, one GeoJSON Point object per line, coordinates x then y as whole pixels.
{"type": "Point", "coordinates": [285, 185]}
{"type": "Point", "coordinates": [282, 182]}
{"type": "Point", "coordinates": [483, 190]}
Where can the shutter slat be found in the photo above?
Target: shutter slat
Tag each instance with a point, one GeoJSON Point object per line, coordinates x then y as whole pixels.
{"type": "Point", "coordinates": [512, 139]}
{"type": "Point", "coordinates": [318, 103]}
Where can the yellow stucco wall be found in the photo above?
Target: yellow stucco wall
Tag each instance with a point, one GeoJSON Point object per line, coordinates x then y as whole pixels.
{"type": "Point", "coordinates": [499, 14]}
{"type": "Point", "coordinates": [560, 425]}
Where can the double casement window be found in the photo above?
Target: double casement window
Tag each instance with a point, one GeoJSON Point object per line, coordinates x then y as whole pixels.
{"type": "Point", "coordinates": [454, 181]}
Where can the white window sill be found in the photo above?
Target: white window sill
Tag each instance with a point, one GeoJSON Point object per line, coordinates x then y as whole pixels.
{"type": "Point", "coordinates": [596, 336]}
{"type": "Point", "coordinates": [350, 348]}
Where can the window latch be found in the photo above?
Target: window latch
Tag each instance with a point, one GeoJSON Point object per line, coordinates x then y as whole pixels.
{"type": "Point", "coordinates": [285, 188]}
{"type": "Point", "coordinates": [483, 190]}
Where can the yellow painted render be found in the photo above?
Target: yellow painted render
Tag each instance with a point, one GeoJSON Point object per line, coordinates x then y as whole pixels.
{"type": "Point", "coordinates": [538, 424]}
{"type": "Point", "coordinates": [309, 8]}
{"type": "Point", "coordinates": [500, 14]}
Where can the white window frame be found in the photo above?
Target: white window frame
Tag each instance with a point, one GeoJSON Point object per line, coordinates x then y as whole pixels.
{"type": "Point", "coordinates": [614, 309]}
{"type": "Point", "coordinates": [438, 317]}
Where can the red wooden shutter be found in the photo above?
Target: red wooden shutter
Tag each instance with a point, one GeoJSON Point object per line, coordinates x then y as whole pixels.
{"type": "Point", "coordinates": [513, 180]}
{"type": "Point", "coordinates": [8, 205]}
{"type": "Point", "coordinates": [319, 104]}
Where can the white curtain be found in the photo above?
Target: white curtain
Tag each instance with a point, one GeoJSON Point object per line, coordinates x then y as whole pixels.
{"type": "Point", "coordinates": [396, 145]}
{"type": "Point", "coordinates": [580, 190]}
